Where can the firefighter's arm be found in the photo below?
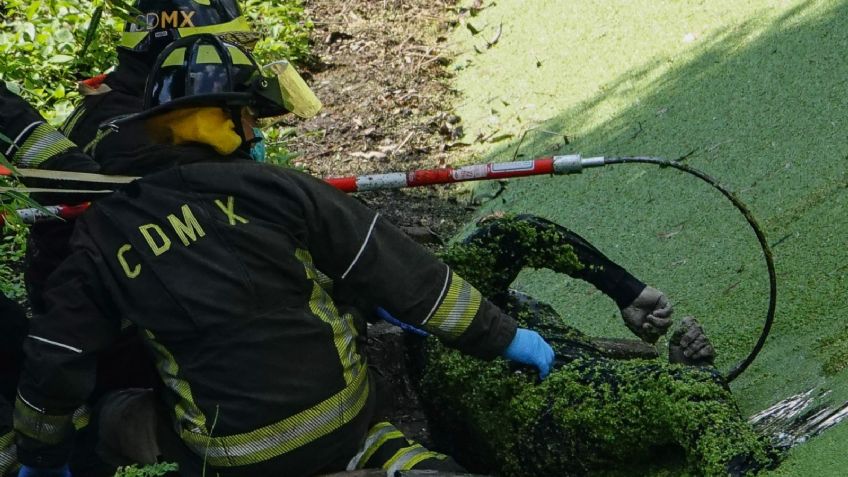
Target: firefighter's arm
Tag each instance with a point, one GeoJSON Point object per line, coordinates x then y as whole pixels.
{"type": "Point", "coordinates": [358, 248]}
{"type": "Point", "coordinates": [59, 371]}
{"type": "Point", "coordinates": [27, 140]}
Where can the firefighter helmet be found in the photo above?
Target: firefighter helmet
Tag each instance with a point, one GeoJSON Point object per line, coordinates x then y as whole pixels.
{"type": "Point", "coordinates": [159, 22]}
{"type": "Point", "coordinates": [203, 70]}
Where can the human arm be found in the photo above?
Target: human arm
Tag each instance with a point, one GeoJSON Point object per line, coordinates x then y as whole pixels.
{"type": "Point", "coordinates": [59, 370]}
{"type": "Point", "coordinates": [515, 242]}
{"type": "Point", "coordinates": [29, 141]}
{"type": "Point", "coordinates": [361, 251]}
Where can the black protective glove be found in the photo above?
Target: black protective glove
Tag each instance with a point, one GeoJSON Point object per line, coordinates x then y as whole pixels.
{"type": "Point", "coordinates": [649, 315]}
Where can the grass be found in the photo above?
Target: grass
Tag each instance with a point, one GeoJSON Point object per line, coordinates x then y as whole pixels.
{"type": "Point", "coordinates": [756, 92]}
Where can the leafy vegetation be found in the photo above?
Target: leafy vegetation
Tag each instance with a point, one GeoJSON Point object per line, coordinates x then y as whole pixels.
{"type": "Point", "coordinates": [46, 46]}
{"type": "Point", "coordinates": [39, 44]}
{"type": "Point", "coordinates": [155, 470]}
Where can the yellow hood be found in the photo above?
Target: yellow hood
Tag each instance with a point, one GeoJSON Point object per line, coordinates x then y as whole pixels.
{"type": "Point", "coordinates": [205, 125]}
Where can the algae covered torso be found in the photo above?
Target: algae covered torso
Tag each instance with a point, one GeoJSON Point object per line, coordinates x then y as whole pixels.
{"type": "Point", "coordinates": [593, 415]}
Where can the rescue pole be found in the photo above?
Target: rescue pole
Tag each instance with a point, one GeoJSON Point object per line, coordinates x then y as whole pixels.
{"type": "Point", "coordinates": [553, 165]}
{"type": "Point", "coordinates": [546, 165]}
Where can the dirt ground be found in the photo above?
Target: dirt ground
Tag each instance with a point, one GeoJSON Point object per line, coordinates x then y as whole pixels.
{"type": "Point", "coordinates": [379, 69]}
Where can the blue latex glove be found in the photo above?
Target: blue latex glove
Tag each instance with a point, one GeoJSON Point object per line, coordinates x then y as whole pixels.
{"type": "Point", "coordinates": [529, 348]}
{"type": "Point", "coordinates": [386, 316]}
{"type": "Point", "coordinates": [27, 471]}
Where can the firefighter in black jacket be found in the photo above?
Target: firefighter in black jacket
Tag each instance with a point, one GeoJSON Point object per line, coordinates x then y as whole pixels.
{"type": "Point", "coordinates": [105, 97]}
{"type": "Point", "coordinates": [219, 264]}
{"type": "Point", "coordinates": [119, 93]}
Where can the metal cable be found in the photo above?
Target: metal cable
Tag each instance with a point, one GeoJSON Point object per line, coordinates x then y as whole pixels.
{"type": "Point", "coordinates": [742, 365]}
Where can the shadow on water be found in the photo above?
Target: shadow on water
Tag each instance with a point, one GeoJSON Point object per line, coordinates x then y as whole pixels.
{"type": "Point", "coordinates": [766, 112]}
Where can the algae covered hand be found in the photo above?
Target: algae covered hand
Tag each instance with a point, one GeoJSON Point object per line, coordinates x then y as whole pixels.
{"type": "Point", "coordinates": [649, 315]}
{"type": "Point", "coordinates": [689, 344]}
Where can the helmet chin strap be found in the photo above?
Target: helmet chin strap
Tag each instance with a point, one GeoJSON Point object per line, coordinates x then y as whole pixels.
{"type": "Point", "coordinates": [235, 114]}
{"type": "Point", "coordinates": [246, 144]}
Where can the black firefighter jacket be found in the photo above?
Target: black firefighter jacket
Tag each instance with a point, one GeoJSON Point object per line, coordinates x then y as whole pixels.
{"type": "Point", "coordinates": [218, 265]}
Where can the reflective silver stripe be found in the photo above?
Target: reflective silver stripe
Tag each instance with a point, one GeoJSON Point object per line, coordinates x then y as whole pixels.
{"type": "Point", "coordinates": [14, 144]}
{"type": "Point", "coordinates": [21, 397]}
{"type": "Point", "coordinates": [372, 438]}
{"type": "Point", "coordinates": [54, 343]}
{"type": "Point", "coordinates": [286, 435]}
{"type": "Point", "coordinates": [362, 248]}
{"type": "Point", "coordinates": [400, 463]}
{"type": "Point", "coordinates": [453, 321]}
{"type": "Point", "coordinates": [439, 298]}
{"type": "Point", "coordinates": [49, 140]}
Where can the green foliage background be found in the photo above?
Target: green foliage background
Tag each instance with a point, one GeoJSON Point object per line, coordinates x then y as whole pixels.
{"type": "Point", "coordinates": [44, 51]}
{"type": "Point", "coordinates": [41, 43]}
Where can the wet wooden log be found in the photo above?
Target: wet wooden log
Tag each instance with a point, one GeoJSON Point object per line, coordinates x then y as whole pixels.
{"type": "Point", "coordinates": [622, 348]}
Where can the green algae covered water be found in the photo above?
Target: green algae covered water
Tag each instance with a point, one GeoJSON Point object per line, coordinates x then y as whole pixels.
{"type": "Point", "coordinates": [753, 93]}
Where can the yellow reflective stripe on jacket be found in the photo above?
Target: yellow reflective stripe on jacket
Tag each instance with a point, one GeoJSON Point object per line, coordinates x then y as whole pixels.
{"type": "Point", "coordinates": [186, 411]}
{"type": "Point", "coordinates": [91, 147]}
{"type": "Point", "coordinates": [81, 417]}
{"type": "Point", "coordinates": [71, 122]}
{"type": "Point", "coordinates": [379, 434]}
{"type": "Point", "coordinates": [457, 310]}
{"type": "Point", "coordinates": [421, 457]}
{"type": "Point", "coordinates": [408, 457]}
{"type": "Point", "coordinates": [284, 436]}
{"type": "Point", "coordinates": [42, 144]}
{"type": "Point", "coordinates": [129, 39]}
{"type": "Point", "coordinates": [46, 428]}
{"type": "Point", "coordinates": [322, 306]}
{"type": "Point", "coordinates": [8, 453]}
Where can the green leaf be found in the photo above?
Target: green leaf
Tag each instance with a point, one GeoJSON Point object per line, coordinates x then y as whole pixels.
{"type": "Point", "coordinates": [92, 30]}
{"type": "Point", "coordinates": [33, 8]}
{"type": "Point", "coordinates": [60, 59]}
{"type": "Point", "coordinates": [125, 11]}
{"type": "Point", "coordinates": [28, 30]}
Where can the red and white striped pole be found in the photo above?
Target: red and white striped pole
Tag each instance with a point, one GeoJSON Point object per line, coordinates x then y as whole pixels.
{"type": "Point", "coordinates": [478, 172]}
{"type": "Point", "coordinates": [555, 165]}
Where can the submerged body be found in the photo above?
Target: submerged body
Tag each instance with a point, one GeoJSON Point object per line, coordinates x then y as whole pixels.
{"type": "Point", "coordinates": [593, 415]}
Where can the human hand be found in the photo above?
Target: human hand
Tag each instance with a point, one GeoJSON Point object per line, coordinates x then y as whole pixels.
{"type": "Point", "coordinates": [528, 347]}
{"type": "Point", "coordinates": [689, 344]}
{"type": "Point", "coordinates": [27, 471]}
{"type": "Point", "coordinates": [648, 316]}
